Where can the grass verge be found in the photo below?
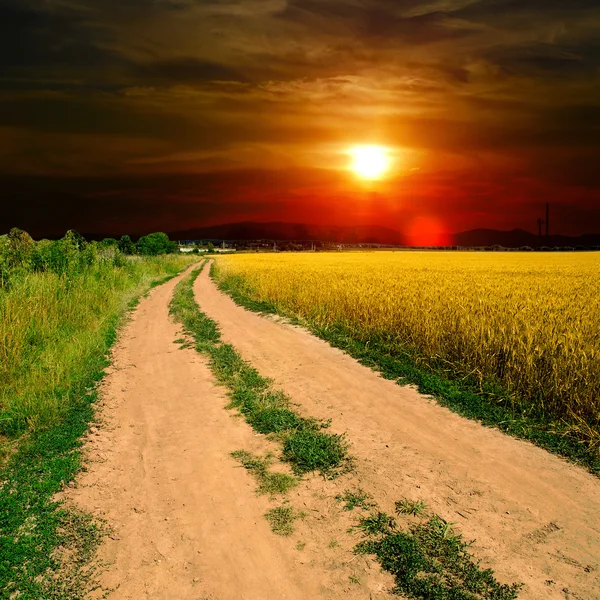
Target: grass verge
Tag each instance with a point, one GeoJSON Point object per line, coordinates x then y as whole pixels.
{"type": "Point", "coordinates": [306, 447]}
{"type": "Point", "coordinates": [488, 404]}
{"type": "Point", "coordinates": [47, 548]}
{"type": "Point", "coordinates": [428, 559]}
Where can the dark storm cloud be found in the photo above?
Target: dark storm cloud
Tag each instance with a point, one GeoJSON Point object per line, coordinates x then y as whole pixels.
{"type": "Point", "coordinates": [519, 9]}
{"type": "Point", "coordinates": [546, 60]}
{"type": "Point", "coordinates": [370, 21]}
{"type": "Point", "coordinates": [81, 115]}
{"type": "Point", "coordinates": [185, 70]}
{"type": "Point", "coordinates": [30, 38]}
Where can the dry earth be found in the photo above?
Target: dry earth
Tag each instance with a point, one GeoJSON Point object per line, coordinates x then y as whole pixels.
{"type": "Point", "coordinates": [187, 523]}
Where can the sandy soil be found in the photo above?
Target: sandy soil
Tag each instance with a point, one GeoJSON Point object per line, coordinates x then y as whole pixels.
{"type": "Point", "coordinates": [186, 522]}
{"type": "Point", "coordinates": [535, 517]}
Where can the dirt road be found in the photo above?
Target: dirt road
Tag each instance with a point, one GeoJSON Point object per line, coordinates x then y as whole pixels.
{"type": "Point", "coordinates": [535, 517]}
{"type": "Point", "coordinates": [186, 520]}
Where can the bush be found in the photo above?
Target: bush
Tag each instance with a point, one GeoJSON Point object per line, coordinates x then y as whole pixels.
{"type": "Point", "coordinates": [154, 244]}
{"type": "Point", "coordinates": [125, 245]}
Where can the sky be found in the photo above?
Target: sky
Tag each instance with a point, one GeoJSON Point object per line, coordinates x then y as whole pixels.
{"type": "Point", "coordinates": [130, 116]}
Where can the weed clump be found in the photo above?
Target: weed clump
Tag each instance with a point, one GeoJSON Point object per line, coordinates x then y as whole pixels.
{"type": "Point", "coordinates": [429, 560]}
{"type": "Point", "coordinates": [410, 507]}
{"type": "Point", "coordinates": [310, 450]}
{"type": "Point", "coordinates": [274, 420]}
{"type": "Point", "coordinates": [269, 482]}
{"type": "Point", "coordinates": [376, 523]}
{"type": "Point", "coordinates": [352, 500]}
{"type": "Point", "coordinates": [282, 519]}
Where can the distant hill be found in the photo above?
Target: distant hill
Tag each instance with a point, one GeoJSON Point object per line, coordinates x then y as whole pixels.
{"type": "Point", "coordinates": [372, 234]}
{"type": "Point", "coordinates": [518, 238]}
{"type": "Point", "coordinates": [366, 234]}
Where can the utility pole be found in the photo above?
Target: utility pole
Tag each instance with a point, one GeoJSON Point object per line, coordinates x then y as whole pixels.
{"type": "Point", "coordinates": [547, 219]}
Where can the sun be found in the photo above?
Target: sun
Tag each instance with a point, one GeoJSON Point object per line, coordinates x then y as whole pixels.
{"type": "Point", "coordinates": [369, 162]}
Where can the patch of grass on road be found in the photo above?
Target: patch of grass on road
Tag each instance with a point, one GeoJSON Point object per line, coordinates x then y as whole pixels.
{"type": "Point", "coordinates": [269, 482]}
{"type": "Point", "coordinates": [410, 507]}
{"type": "Point", "coordinates": [282, 519]}
{"type": "Point", "coordinates": [357, 499]}
{"type": "Point", "coordinates": [429, 560]}
{"type": "Point", "coordinates": [306, 447]}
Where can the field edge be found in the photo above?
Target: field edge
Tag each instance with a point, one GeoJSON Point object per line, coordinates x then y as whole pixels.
{"type": "Point", "coordinates": [490, 408]}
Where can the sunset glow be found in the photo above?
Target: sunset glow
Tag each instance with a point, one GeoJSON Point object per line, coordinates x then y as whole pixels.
{"type": "Point", "coordinates": [176, 115]}
{"type": "Point", "coordinates": [370, 162]}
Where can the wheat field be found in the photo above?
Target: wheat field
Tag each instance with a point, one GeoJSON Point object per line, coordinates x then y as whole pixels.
{"type": "Point", "coordinates": [528, 322]}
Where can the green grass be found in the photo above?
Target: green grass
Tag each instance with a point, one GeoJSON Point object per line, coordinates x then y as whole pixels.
{"type": "Point", "coordinates": [410, 507]}
{"type": "Point", "coordinates": [33, 526]}
{"type": "Point", "coordinates": [46, 547]}
{"type": "Point", "coordinates": [487, 403]}
{"type": "Point", "coordinates": [376, 523]}
{"type": "Point", "coordinates": [306, 447]}
{"type": "Point", "coordinates": [54, 325]}
{"type": "Point", "coordinates": [309, 450]}
{"type": "Point", "coordinates": [352, 500]}
{"type": "Point", "coordinates": [281, 519]}
{"type": "Point", "coordinates": [429, 560]}
{"type": "Point", "coordinates": [269, 482]}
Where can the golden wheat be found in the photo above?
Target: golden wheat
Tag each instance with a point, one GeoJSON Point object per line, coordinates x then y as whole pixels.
{"type": "Point", "coordinates": [530, 322]}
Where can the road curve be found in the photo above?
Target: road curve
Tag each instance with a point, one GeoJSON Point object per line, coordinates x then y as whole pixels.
{"type": "Point", "coordinates": [534, 516]}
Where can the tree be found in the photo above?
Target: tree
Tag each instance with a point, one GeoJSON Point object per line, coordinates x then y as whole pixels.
{"type": "Point", "coordinates": [125, 245]}
{"type": "Point", "coordinates": [155, 243]}
{"type": "Point", "coordinates": [211, 247]}
{"type": "Point", "coordinates": [74, 239]}
{"type": "Point", "coordinates": [108, 242]}
{"type": "Point", "coordinates": [20, 245]}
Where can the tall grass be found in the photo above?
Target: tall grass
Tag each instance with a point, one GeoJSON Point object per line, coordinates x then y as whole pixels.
{"type": "Point", "coordinates": [59, 301]}
{"type": "Point", "coordinates": [60, 304]}
{"type": "Point", "coordinates": [523, 328]}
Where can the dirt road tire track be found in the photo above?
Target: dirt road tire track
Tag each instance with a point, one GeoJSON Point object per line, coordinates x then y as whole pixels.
{"type": "Point", "coordinates": [186, 521]}
{"type": "Point", "coordinates": [535, 517]}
